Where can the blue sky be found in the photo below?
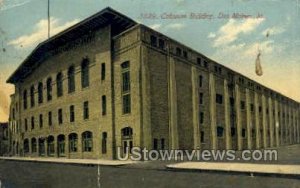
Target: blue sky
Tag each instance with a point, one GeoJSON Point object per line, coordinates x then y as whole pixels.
{"type": "Point", "coordinates": [233, 42]}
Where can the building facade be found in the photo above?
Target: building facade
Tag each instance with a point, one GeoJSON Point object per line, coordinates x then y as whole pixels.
{"type": "Point", "coordinates": [4, 139]}
{"type": "Point", "coordinates": [109, 83]}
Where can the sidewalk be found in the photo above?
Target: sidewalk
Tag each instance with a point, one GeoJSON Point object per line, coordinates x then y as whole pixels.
{"type": "Point", "coordinates": [102, 162]}
{"type": "Point", "coordinates": [266, 169]}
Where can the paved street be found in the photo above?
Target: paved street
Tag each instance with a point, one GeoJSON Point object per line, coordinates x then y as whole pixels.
{"type": "Point", "coordinates": [15, 174]}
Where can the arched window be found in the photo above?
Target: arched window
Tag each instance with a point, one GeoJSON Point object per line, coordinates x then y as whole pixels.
{"type": "Point", "coordinates": [61, 145]}
{"type": "Point", "coordinates": [32, 101]}
{"type": "Point", "coordinates": [59, 84]}
{"type": "Point", "coordinates": [40, 92]}
{"type": "Point", "coordinates": [33, 145]}
{"type": "Point", "coordinates": [127, 132]}
{"type": "Point", "coordinates": [49, 89]}
{"type": "Point", "coordinates": [87, 141]}
{"type": "Point", "coordinates": [41, 146]}
{"type": "Point", "coordinates": [73, 139]}
{"type": "Point", "coordinates": [71, 79]}
{"type": "Point", "coordinates": [50, 142]}
{"type": "Point", "coordinates": [26, 145]}
{"type": "Point", "coordinates": [85, 73]}
{"type": "Point", "coordinates": [25, 99]}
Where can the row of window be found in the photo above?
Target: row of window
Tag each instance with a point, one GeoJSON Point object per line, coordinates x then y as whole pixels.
{"type": "Point", "coordinates": [60, 115]}
{"type": "Point", "coordinates": [59, 84]}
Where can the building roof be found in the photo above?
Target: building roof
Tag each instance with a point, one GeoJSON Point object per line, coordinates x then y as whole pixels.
{"type": "Point", "coordinates": [118, 21]}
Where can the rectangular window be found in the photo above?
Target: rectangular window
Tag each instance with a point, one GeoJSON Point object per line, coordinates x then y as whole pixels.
{"type": "Point", "coordinates": [104, 142]}
{"type": "Point", "coordinates": [41, 120]}
{"type": "Point", "coordinates": [199, 61]}
{"type": "Point", "coordinates": [219, 99]}
{"type": "Point", "coordinates": [49, 118]}
{"type": "Point", "coordinates": [220, 131]}
{"type": "Point", "coordinates": [103, 105]}
{"type": "Point", "coordinates": [231, 101]}
{"type": "Point", "coordinates": [200, 81]}
{"type": "Point", "coordinates": [252, 107]}
{"type": "Point", "coordinates": [244, 133]}
{"type": "Point", "coordinates": [72, 113]}
{"type": "Point", "coordinates": [161, 43]}
{"type": "Point", "coordinates": [155, 145]}
{"type": "Point", "coordinates": [126, 104]}
{"type": "Point", "coordinates": [185, 55]}
{"type": "Point", "coordinates": [242, 105]}
{"type": "Point", "coordinates": [162, 143]}
{"type": "Point", "coordinates": [200, 98]}
{"type": "Point", "coordinates": [201, 118]}
{"type": "Point", "coordinates": [232, 131]}
{"type": "Point", "coordinates": [25, 124]}
{"type": "Point", "coordinates": [60, 116]}
{"type": "Point", "coordinates": [103, 71]}
{"type": "Point", "coordinates": [202, 137]}
{"type": "Point", "coordinates": [153, 40]}
{"type": "Point", "coordinates": [126, 81]}
{"type": "Point", "coordinates": [86, 110]}
{"type": "Point", "coordinates": [178, 51]}
{"type": "Point", "coordinates": [205, 64]}
{"type": "Point", "coordinates": [32, 123]}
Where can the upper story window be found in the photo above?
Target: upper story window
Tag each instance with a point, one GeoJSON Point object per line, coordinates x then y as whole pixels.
{"type": "Point", "coordinates": [32, 123]}
{"type": "Point", "coordinates": [103, 71]}
{"type": "Point", "coordinates": [59, 84]}
{"type": "Point", "coordinates": [198, 60]}
{"type": "Point", "coordinates": [161, 44]}
{"type": "Point", "coordinates": [49, 89]}
{"type": "Point", "coordinates": [85, 80]}
{"type": "Point", "coordinates": [86, 110]}
{"type": "Point", "coordinates": [60, 116]}
{"type": "Point", "coordinates": [243, 105]}
{"type": "Point", "coordinates": [25, 99]}
{"type": "Point", "coordinates": [185, 54]}
{"type": "Point", "coordinates": [72, 113]}
{"type": "Point", "coordinates": [103, 105]}
{"type": "Point", "coordinates": [126, 98]}
{"type": "Point", "coordinates": [40, 92]}
{"type": "Point", "coordinates": [153, 40]}
{"type": "Point", "coordinates": [50, 118]}
{"type": "Point", "coordinates": [41, 120]}
{"type": "Point", "coordinates": [205, 63]}
{"type": "Point", "coordinates": [178, 51]}
{"type": "Point", "coordinates": [219, 99]}
{"type": "Point", "coordinates": [200, 81]}
{"type": "Point", "coordinates": [71, 79]}
{"type": "Point", "coordinates": [32, 101]}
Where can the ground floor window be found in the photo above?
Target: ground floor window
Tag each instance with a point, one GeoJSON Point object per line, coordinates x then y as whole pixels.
{"type": "Point", "coordinates": [33, 145]}
{"type": "Point", "coordinates": [61, 145]}
{"type": "Point", "coordinates": [26, 146]}
{"type": "Point", "coordinates": [73, 139]}
{"type": "Point", "coordinates": [104, 142]}
{"type": "Point", "coordinates": [87, 140]}
{"type": "Point", "coordinates": [50, 142]}
{"type": "Point", "coordinates": [41, 147]}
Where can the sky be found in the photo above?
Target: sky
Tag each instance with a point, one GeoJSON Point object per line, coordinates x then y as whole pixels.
{"type": "Point", "coordinates": [230, 32]}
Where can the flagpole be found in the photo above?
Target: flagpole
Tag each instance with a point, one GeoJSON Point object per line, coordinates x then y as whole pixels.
{"type": "Point", "coordinates": [48, 18]}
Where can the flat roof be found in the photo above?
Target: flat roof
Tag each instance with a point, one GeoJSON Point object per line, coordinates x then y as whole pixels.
{"type": "Point", "coordinates": [107, 16]}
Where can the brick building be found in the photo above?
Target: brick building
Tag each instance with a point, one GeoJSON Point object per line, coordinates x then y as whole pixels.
{"type": "Point", "coordinates": [3, 139]}
{"type": "Point", "coordinates": [109, 82]}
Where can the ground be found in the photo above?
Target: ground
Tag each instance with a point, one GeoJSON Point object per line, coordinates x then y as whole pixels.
{"type": "Point", "coordinates": [148, 174]}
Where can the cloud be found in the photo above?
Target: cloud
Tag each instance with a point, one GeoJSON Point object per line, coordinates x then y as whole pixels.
{"type": "Point", "coordinates": [40, 32]}
{"type": "Point", "coordinates": [229, 32]}
{"type": "Point", "coordinates": [176, 26]}
{"type": "Point", "coordinates": [273, 31]}
{"type": "Point", "coordinates": [211, 35]}
{"type": "Point", "coordinates": [155, 26]}
{"type": "Point", "coordinates": [8, 6]}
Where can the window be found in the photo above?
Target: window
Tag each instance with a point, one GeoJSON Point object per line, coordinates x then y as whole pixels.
{"type": "Point", "coordinates": [32, 123]}
{"type": "Point", "coordinates": [219, 99]}
{"type": "Point", "coordinates": [50, 142]}
{"type": "Point", "coordinates": [26, 146]}
{"type": "Point", "coordinates": [200, 81]}
{"type": "Point", "coordinates": [153, 40]}
{"type": "Point", "coordinates": [103, 105]}
{"type": "Point", "coordinates": [155, 145]}
{"type": "Point", "coordinates": [252, 107]}
{"type": "Point", "coordinates": [161, 43]}
{"type": "Point", "coordinates": [87, 141]}
{"type": "Point", "coordinates": [126, 101]}
{"type": "Point", "coordinates": [60, 116]}
{"type": "Point", "coordinates": [185, 55]}
{"type": "Point", "coordinates": [72, 113]}
{"type": "Point", "coordinates": [73, 139]}
{"type": "Point", "coordinates": [59, 84]}
{"type": "Point", "coordinates": [103, 71]}
{"type": "Point", "coordinates": [253, 133]}
{"type": "Point", "coordinates": [40, 93]}
{"type": "Point", "coordinates": [231, 101]}
{"type": "Point", "coordinates": [220, 131]}
{"type": "Point", "coordinates": [49, 118]}
{"type": "Point", "coordinates": [178, 51]}
{"type": "Point", "coordinates": [201, 118]}
{"type": "Point", "coordinates": [33, 145]}
{"type": "Point", "coordinates": [86, 110]}
{"type": "Point", "coordinates": [61, 145]}
{"type": "Point", "coordinates": [49, 89]}
{"type": "Point", "coordinates": [41, 120]}
{"type": "Point", "coordinates": [85, 73]}
{"type": "Point", "coordinates": [200, 98]}
{"type": "Point", "coordinates": [71, 79]}
{"type": "Point", "coordinates": [32, 102]}
{"type": "Point", "coordinates": [126, 104]}
{"type": "Point", "coordinates": [25, 99]}
{"type": "Point", "coordinates": [242, 105]}
{"type": "Point", "coordinates": [267, 111]}
{"type": "Point", "coordinates": [244, 133]}
{"type": "Point", "coordinates": [162, 142]}
{"type": "Point", "coordinates": [198, 60]}
{"type": "Point", "coordinates": [202, 137]}
{"type": "Point", "coordinates": [13, 114]}
{"type": "Point", "coordinates": [205, 64]}
{"type": "Point", "coordinates": [104, 142]}
{"type": "Point", "coordinates": [259, 108]}
{"type": "Point", "coordinates": [26, 124]}
{"type": "Point", "coordinates": [232, 131]}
